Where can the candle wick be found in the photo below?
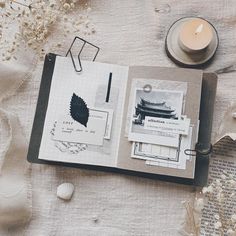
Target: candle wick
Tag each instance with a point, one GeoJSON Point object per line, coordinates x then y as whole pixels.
{"type": "Point", "coordinates": [199, 29]}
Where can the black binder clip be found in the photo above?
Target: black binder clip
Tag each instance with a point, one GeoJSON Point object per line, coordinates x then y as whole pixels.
{"type": "Point", "coordinates": [84, 43]}
{"type": "Point", "coordinates": [199, 151]}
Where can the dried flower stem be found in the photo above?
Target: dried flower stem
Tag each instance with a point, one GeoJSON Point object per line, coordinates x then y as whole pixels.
{"type": "Point", "coordinates": [37, 22]}
{"type": "Point", "coordinates": [20, 3]}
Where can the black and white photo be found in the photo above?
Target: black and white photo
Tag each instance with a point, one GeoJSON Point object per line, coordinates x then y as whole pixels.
{"type": "Point", "coordinates": [164, 104]}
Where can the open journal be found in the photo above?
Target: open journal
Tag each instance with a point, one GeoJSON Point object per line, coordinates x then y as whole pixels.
{"type": "Point", "coordinates": [138, 119]}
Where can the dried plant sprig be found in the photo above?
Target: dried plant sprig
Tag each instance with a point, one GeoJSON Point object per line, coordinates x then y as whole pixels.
{"type": "Point", "coordinates": [30, 6]}
{"type": "Point", "coordinates": [191, 226]}
{"type": "Point", "coordinates": [37, 22]}
{"type": "Point", "coordinates": [220, 193]}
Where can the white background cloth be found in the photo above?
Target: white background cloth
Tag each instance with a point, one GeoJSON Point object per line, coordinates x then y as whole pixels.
{"type": "Point", "coordinates": [128, 33]}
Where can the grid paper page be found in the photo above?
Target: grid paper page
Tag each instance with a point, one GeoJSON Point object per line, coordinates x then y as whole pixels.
{"type": "Point", "coordinates": [65, 82]}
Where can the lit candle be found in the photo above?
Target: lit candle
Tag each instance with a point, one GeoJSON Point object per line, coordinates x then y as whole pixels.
{"type": "Point", "coordinates": [195, 35]}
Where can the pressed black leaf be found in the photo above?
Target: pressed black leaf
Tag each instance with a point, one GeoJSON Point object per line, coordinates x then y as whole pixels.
{"type": "Point", "coordinates": [79, 110]}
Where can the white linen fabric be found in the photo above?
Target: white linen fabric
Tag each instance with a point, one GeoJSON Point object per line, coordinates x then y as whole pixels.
{"type": "Point", "coordinates": [12, 77]}
{"type": "Point", "coordinates": [128, 33]}
{"type": "Point", "coordinates": [15, 188]}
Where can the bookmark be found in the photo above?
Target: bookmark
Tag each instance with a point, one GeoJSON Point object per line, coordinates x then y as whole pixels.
{"type": "Point", "coordinates": [69, 52]}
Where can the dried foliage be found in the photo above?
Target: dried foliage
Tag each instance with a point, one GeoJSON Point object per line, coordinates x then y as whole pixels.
{"type": "Point", "coordinates": [191, 226]}
{"type": "Point", "coordinates": [220, 197]}
{"type": "Point", "coordinates": [36, 21]}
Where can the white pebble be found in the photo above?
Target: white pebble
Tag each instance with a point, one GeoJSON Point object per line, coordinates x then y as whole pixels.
{"type": "Point", "coordinates": [65, 191]}
{"type": "Point", "coordinates": [95, 218]}
{"type": "Point", "coordinates": [234, 115]}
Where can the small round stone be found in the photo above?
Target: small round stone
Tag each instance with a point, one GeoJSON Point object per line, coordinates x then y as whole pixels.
{"type": "Point", "coordinates": [65, 191]}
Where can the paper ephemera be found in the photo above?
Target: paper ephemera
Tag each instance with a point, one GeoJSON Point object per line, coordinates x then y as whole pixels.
{"type": "Point", "coordinates": [167, 125]}
{"type": "Point", "coordinates": [166, 104]}
{"type": "Point", "coordinates": [98, 128]}
{"type": "Point", "coordinates": [70, 130]}
{"type": "Point", "coordinates": [157, 155]}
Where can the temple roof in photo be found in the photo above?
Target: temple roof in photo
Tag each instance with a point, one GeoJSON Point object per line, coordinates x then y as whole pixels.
{"type": "Point", "coordinates": [161, 106]}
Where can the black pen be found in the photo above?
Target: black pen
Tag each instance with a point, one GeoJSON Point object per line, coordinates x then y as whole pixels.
{"type": "Point", "coordinates": [109, 87]}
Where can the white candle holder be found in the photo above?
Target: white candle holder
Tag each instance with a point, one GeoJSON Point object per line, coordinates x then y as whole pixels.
{"type": "Point", "coordinates": [186, 58]}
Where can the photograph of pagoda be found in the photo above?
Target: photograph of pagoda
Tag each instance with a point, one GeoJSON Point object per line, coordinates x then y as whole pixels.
{"type": "Point", "coordinates": [157, 103]}
{"type": "Point", "coordinates": [153, 109]}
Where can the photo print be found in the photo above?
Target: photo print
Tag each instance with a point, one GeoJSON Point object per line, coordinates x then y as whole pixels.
{"type": "Point", "coordinates": [164, 104]}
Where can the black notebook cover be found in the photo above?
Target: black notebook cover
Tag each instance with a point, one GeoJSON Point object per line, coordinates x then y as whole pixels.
{"type": "Point", "coordinates": [209, 84]}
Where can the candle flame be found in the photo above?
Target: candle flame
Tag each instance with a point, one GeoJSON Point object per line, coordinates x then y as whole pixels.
{"type": "Point", "coordinates": [199, 29]}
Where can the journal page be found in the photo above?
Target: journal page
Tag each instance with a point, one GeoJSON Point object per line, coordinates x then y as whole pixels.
{"type": "Point", "coordinates": [161, 120]}
{"type": "Point", "coordinates": [84, 113]}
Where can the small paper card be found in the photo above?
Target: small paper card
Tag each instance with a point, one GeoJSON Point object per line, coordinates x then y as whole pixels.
{"type": "Point", "coordinates": [109, 123]}
{"type": "Point", "coordinates": [182, 157]}
{"type": "Point", "coordinates": [70, 130]}
{"type": "Point", "coordinates": [146, 151]}
{"type": "Point", "coordinates": [167, 125]}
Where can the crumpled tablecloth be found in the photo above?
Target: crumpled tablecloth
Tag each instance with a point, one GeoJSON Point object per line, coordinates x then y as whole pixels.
{"type": "Point", "coordinates": [128, 33]}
